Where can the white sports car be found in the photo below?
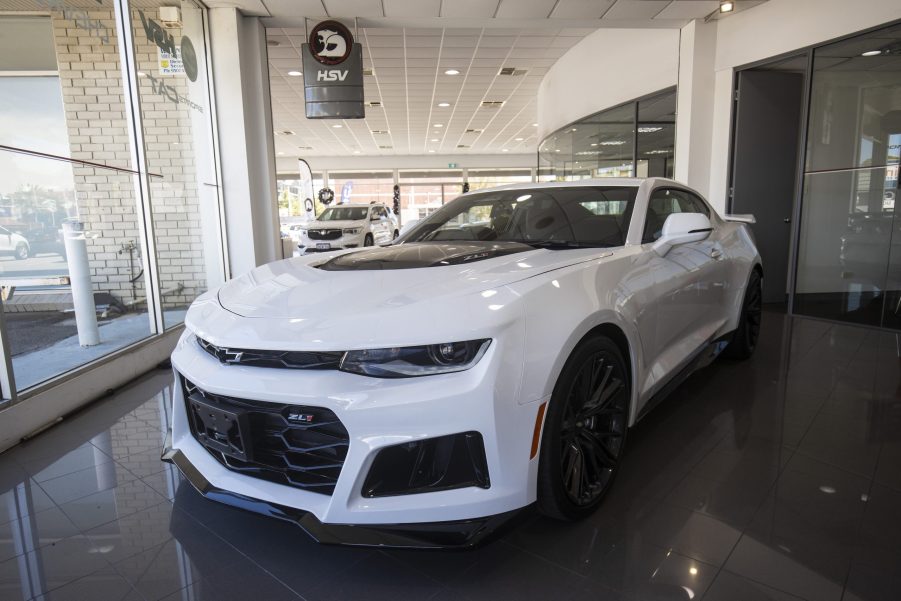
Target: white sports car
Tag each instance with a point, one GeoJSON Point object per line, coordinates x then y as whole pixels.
{"type": "Point", "coordinates": [492, 358]}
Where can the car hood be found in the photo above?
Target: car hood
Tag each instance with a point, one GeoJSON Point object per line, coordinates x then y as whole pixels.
{"type": "Point", "coordinates": [334, 225]}
{"type": "Point", "coordinates": [367, 281]}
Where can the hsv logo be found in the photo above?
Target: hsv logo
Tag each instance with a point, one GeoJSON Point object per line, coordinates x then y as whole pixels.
{"type": "Point", "coordinates": [331, 43]}
{"type": "Point", "coordinates": [332, 75]}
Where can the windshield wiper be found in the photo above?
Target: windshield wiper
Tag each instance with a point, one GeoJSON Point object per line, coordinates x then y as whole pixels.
{"type": "Point", "coordinates": [562, 244]}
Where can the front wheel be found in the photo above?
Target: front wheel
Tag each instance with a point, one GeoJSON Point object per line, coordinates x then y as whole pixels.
{"type": "Point", "coordinates": [744, 339]}
{"type": "Point", "coordinates": [21, 251]}
{"type": "Point", "coordinates": [368, 241]}
{"type": "Point", "coordinates": [585, 431]}
{"type": "Point", "coordinates": [396, 234]}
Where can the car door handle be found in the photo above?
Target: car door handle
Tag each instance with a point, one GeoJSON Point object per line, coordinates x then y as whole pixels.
{"type": "Point", "coordinates": [716, 254]}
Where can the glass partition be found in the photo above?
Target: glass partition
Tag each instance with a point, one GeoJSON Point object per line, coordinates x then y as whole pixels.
{"type": "Point", "coordinates": [633, 139]}
{"type": "Point", "coordinates": [489, 178]}
{"type": "Point", "coordinates": [849, 251]}
{"type": "Point", "coordinates": [423, 192]}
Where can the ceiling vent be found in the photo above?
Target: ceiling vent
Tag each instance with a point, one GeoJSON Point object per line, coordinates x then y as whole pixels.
{"type": "Point", "coordinates": [462, 146]}
{"type": "Point", "coordinates": [473, 131]}
{"type": "Point", "coordinates": [367, 72]}
{"type": "Point", "coordinates": [304, 148]}
{"type": "Point", "coordinates": [284, 132]}
{"type": "Point", "coordinates": [379, 131]}
{"type": "Point", "coordinates": [375, 103]}
{"type": "Point", "coordinates": [386, 147]}
{"type": "Point", "coordinates": [492, 104]}
{"type": "Point", "coordinates": [512, 71]}
{"type": "Point", "coordinates": [273, 43]}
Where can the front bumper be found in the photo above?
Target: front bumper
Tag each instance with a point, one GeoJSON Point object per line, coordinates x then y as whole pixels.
{"type": "Point", "coordinates": [308, 245]}
{"type": "Point", "coordinates": [377, 413]}
{"type": "Point", "coordinates": [457, 534]}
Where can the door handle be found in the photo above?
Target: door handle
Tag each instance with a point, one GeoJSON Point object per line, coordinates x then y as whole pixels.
{"type": "Point", "coordinates": [716, 254]}
{"type": "Point", "coordinates": [787, 220]}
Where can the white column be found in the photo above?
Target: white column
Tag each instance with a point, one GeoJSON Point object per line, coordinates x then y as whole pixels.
{"type": "Point", "coordinates": [246, 146]}
{"type": "Point", "coordinates": [694, 117]}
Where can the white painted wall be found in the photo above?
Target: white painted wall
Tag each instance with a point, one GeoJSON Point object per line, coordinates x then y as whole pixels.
{"type": "Point", "coordinates": [608, 67]}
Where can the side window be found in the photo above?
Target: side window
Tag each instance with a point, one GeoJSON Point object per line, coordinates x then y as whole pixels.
{"type": "Point", "coordinates": [665, 202]}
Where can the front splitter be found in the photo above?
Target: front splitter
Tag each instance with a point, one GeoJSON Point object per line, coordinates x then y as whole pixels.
{"type": "Point", "coordinates": [457, 534]}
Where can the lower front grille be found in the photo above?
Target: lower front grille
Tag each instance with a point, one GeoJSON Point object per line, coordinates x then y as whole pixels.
{"type": "Point", "coordinates": [299, 446]}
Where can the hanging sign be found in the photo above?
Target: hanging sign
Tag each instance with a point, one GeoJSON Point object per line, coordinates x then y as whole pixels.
{"type": "Point", "coordinates": [333, 73]}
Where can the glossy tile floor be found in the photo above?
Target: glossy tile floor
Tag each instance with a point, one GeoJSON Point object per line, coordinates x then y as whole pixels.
{"type": "Point", "coordinates": [778, 478]}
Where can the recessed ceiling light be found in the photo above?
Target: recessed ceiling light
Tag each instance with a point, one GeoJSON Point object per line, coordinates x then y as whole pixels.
{"type": "Point", "coordinates": [727, 6]}
{"type": "Point", "coordinates": [437, 124]}
{"type": "Point", "coordinates": [280, 153]}
{"type": "Point", "coordinates": [356, 152]}
{"type": "Point", "coordinates": [594, 143]}
{"type": "Point", "coordinates": [871, 53]}
{"type": "Point", "coordinates": [452, 72]}
{"type": "Point", "coordinates": [434, 139]}
{"type": "Point", "coordinates": [534, 125]}
{"type": "Point", "coordinates": [295, 73]}
{"type": "Point", "coordinates": [431, 150]}
{"type": "Point", "coordinates": [337, 126]}
{"type": "Point", "coordinates": [519, 139]}
{"type": "Point", "coordinates": [444, 104]}
{"type": "Point", "coordinates": [504, 150]}
{"type": "Point", "coordinates": [558, 150]}
{"type": "Point", "coordinates": [574, 129]}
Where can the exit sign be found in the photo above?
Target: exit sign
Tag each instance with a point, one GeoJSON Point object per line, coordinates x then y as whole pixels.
{"type": "Point", "coordinates": [451, 165]}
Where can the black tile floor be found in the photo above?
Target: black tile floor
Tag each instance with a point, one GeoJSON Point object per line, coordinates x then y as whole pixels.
{"type": "Point", "coordinates": [777, 478]}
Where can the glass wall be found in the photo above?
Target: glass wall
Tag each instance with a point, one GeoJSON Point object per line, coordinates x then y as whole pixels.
{"type": "Point", "coordinates": [89, 186]}
{"type": "Point", "coordinates": [423, 192]}
{"type": "Point", "coordinates": [636, 138]}
{"type": "Point", "coordinates": [479, 179]}
{"type": "Point", "coordinates": [849, 255]}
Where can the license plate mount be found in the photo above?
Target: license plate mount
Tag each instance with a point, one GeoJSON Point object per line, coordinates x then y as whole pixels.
{"type": "Point", "coordinates": [323, 246]}
{"type": "Point", "coordinates": [221, 429]}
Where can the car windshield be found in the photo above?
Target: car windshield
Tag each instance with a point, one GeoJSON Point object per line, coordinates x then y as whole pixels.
{"type": "Point", "coordinates": [343, 214]}
{"type": "Point", "coordinates": [570, 217]}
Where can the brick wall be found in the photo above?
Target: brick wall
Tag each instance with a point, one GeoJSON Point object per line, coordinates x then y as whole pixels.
{"type": "Point", "coordinates": [94, 105]}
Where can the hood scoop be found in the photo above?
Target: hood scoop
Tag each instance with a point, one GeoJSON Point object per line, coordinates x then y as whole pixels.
{"type": "Point", "coordinates": [422, 254]}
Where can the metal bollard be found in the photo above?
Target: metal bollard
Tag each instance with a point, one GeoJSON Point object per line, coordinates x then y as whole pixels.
{"type": "Point", "coordinates": [82, 290]}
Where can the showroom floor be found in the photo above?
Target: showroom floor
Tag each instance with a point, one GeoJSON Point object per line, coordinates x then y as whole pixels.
{"type": "Point", "coordinates": [779, 478]}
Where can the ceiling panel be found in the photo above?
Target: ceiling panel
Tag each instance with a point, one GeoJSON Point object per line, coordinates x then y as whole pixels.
{"type": "Point", "coordinates": [412, 8]}
{"type": "Point", "coordinates": [688, 9]}
{"type": "Point", "coordinates": [525, 9]}
{"type": "Point", "coordinates": [636, 9]}
{"type": "Point", "coordinates": [353, 8]}
{"type": "Point", "coordinates": [469, 8]}
{"type": "Point", "coordinates": [580, 9]}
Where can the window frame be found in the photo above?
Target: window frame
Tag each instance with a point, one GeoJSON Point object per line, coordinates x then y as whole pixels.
{"type": "Point", "coordinates": [667, 188]}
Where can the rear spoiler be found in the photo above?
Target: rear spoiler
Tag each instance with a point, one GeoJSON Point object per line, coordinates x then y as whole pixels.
{"type": "Point", "coordinates": [741, 218]}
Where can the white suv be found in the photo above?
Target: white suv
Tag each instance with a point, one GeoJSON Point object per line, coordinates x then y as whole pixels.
{"type": "Point", "coordinates": [348, 226]}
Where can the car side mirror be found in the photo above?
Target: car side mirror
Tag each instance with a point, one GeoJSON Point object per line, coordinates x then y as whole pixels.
{"type": "Point", "coordinates": [682, 228]}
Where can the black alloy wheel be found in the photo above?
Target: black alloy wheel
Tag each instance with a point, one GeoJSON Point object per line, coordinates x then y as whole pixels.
{"type": "Point", "coordinates": [585, 431]}
{"type": "Point", "coordinates": [746, 335]}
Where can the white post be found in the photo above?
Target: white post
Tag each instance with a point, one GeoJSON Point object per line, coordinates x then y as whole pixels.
{"type": "Point", "coordinates": [80, 276]}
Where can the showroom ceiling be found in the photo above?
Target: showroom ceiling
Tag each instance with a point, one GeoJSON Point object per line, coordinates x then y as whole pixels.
{"type": "Point", "coordinates": [409, 44]}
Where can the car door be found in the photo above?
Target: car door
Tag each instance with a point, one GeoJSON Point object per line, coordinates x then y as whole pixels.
{"type": "Point", "coordinates": [6, 239]}
{"type": "Point", "coordinates": [384, 237]}
{"type": "Point", "coordinates": [689, 283]}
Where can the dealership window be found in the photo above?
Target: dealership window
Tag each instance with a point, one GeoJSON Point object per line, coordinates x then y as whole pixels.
{"type": "Point", "coordinates": [142, 222]}
{"type": "Point", "coordinates": [423, 192]}
{"type": "Point", "coordinates": [362, 187]}
{"type": "Point", "coordinates": [489, 178]}
{"type": "Point", "coordinates": [633, 139]}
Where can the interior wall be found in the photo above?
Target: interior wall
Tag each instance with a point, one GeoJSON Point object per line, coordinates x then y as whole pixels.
{"type": "Point", "coordinates": [607, 68]}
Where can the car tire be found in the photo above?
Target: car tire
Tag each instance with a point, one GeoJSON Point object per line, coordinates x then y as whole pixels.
{"type": "Point", "coordinates": [744, 339]}
{"type": "Point", "coordinates": [21, 251]}
{"type": "Point", "coordinates": [396, 234]}
{"type": "Point", "coordinates": [585, 427]}
{"type": "Point", "coordinates": [368, 241]}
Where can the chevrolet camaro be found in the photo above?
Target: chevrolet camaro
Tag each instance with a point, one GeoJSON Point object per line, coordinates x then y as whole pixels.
{"type": "Point", "coordinates": [492, 358]}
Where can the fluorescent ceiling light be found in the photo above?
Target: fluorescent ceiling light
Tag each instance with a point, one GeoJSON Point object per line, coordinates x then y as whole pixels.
{"type": "Point", "coordinates": [337, 126]}
{"type": "Point", "coordinates": [444, 104]}
{"type": "Point", "coordinates": [727, 6]}
{"type": "Point", "coordinates": [452, 72]}
{"type": "Point", "coordinates": [437, 124]}
{"type": "Point", "coordinates": [519, 139]}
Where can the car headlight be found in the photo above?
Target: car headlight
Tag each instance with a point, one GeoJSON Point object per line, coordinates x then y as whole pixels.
{"type": "Point", "coordinates": [412, 361]}
{"type": "Point", "coordinates": [353, 231]}
{"type": "Point", "coordinates": [303, 232]}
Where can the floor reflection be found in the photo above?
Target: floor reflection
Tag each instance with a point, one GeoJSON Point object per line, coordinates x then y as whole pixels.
{"type": "Point", "coordinates": [778, 478]}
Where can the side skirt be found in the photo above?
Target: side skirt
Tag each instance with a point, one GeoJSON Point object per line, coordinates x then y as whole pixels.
{"type": "Point", "coordinates": [702, 357]}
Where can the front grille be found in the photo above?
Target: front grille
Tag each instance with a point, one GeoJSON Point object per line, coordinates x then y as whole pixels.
{"type": "Point", "coordinates": [299, 446]}
{"type": "Point", "coordinates": [279, 359]}
{"type": "Point", "coordinates": [324, 234]}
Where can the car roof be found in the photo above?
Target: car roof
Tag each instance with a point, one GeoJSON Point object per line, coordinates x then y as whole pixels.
{"type": "Point", "coordinates": [633, 182]}
{"type": "Point", "coordinates": [355, 205]}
